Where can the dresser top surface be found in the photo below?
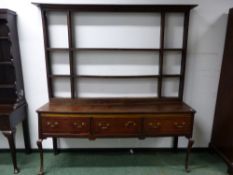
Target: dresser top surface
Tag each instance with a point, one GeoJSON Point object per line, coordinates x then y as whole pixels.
{"type": "Point", "coordinates": [113, 106]}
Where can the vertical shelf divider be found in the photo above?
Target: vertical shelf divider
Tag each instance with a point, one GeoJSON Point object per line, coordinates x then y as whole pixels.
{"type": "Point", "coordinates": [71, 55]}
{"type": "Point", "coordinates": [162, 31]}
{"type": "Point", "coordinates": [184, 53]}
{"type": "Point", "coordinates": [47, 59]}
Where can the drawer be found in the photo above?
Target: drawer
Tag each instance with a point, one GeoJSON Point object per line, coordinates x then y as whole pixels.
{"type": "Point", "coordinates": [117, 126]}
{"type": "Point", "coordinates": [168, 125]}
{"type": "Point", "coordinates": [65, 125]}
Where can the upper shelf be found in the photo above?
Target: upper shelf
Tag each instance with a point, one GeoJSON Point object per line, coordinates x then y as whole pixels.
{"type": "Point", "coordinates": [113, 49]}
{"type": "Point", "coordinates": [119, 7]}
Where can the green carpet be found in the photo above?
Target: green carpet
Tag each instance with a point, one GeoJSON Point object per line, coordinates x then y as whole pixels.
{"type": "Point", "coordinates": [115, 163]}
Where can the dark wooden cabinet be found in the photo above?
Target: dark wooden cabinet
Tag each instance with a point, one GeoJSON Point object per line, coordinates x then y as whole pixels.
{"type": "Point", "coordinates": [76, 110]}
{"type": "Point", "coordinates": [222, 133]}
{"type": "Point", "coordinates": [13, 106]}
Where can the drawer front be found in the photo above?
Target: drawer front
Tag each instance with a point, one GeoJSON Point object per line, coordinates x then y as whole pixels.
{"type": "Point", "coordinates": [116, 126]}
{"type": "Point", "coordinates": [168, 125]}
{"type": "Point", "coordinates": [65, 125]}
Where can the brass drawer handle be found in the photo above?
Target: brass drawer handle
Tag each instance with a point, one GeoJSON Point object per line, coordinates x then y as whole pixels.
{"type": "Point", "coordinates": [154, 125]}
{"type": "Point", "coordinates": [179, 126]}
{"type": "Point", "coordinates": [53, 124]}
{"type": "Point", "coordinates": [103, 125]}
{"type": "Point", "coordinates": [79, 125]}
{"type": "Point", "coordinates": [130, 123]}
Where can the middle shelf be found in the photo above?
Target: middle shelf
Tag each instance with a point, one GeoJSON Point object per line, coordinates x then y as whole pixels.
{"type": "Point", "coordinates": [115, 76]}
{"type": "Point", "coordinates": [115, 63]}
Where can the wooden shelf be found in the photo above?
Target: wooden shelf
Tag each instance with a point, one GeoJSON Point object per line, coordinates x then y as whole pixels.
{"type": "Point", "coordinates": [171, 75]}
{"type": "Point", "coordinates": [7, 86]}
{"type": "Point", "coordinates": [60, 76]}
{"type": "Point", "coordinates": [57, 49]}
{"type": "Point", "coordinates": [163, 98]}
{"type": "Point", "coordinates": [4, 37]}
{"type": "Point", "coordinates": [173, 49]}
{"type": "Point", "coordinates": [103, 49]}
{"type": "Point", "coordinates": [118, 7]}
{"type": "Point", "coordinates": [117, 76]}
{"type": "Point", "coordinates": [116, 49]}
{"type": "Point", "coordinates": [106, 76]}
{"type": "Point", "coordinates": [6, 63]}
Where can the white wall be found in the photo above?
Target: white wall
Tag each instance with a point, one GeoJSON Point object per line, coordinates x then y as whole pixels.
{"type": "Point", "coordinates": [205, 49]}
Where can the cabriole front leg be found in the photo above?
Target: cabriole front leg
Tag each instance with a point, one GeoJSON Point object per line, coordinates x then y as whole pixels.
{"type": "Point", "coordinates": [190, 144]}
{"type": "Point", "coordinates": [39, 144]}
{"type": "Point", "coordinates": [10, 137]}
